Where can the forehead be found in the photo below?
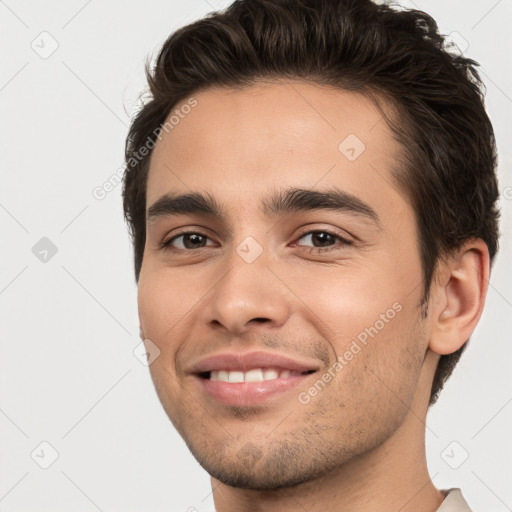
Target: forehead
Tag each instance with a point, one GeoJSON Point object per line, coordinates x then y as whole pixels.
{"type": "Point", "coordinates": [241, 144]}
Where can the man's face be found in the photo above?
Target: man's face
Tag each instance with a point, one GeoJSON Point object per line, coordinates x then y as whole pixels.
{"type": "Point", "coordinates": [283, 282]}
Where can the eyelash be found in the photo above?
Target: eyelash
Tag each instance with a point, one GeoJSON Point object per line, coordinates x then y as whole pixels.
{"type": "Point", "coordinates": [166, 245]}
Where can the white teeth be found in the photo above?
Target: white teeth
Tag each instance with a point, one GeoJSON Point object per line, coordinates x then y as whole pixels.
{"type": "Point", "coordinates": [270, 374]}
{"type": "Point", "coordinates": [236, 376]}
{"type": "Point", "coordinates": [254, 375]}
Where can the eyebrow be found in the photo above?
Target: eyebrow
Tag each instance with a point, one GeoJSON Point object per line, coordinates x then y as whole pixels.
{"type": "Point", "coordinates": [281, 202]}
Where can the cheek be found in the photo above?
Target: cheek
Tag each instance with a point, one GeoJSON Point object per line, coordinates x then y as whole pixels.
{"type": "Point", "coordinates": [343, 302]}
{"type": "Point", "coordinates": [161, 307]}
{"type": "Point", "coordinates": [369, 317]}
{"type": "Point", "coordinates": [150, 302]}
{"type": "Point", "coordinates": [378, 371]}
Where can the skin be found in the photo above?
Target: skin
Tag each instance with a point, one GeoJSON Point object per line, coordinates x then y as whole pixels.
{"type": "Point", "coordinates": [359, 444]}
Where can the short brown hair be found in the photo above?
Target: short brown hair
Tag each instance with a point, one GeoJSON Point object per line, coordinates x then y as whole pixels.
{"type": "Point", "coordinates": [449, 147]}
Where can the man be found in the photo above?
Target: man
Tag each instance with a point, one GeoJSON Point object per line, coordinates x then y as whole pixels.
{"type": "Point", "coordinates": [311, 194]}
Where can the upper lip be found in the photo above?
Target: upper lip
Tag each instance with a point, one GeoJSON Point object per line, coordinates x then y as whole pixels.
{"type": "Point", "coordinates": [244, 361]}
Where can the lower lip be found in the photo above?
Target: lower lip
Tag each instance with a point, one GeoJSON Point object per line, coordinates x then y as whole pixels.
{"type": "Point", "coordinates": [249, 393]}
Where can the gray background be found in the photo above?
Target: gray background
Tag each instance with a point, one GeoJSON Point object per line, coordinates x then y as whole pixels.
{"type": "Point", "coordinates": [69, 378]}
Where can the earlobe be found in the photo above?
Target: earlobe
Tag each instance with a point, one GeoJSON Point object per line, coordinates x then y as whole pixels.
{"type": "Point", "coordinates": [460, 296]}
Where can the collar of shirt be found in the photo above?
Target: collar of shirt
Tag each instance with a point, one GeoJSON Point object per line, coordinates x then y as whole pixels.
{"type": "Point", "coordinates": [454, 502]}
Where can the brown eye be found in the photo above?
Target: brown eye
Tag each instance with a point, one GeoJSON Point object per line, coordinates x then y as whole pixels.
{"type": "Point", "coordinates": [323, 240]}
{"type": "Point", "coordinates": [191, 240]}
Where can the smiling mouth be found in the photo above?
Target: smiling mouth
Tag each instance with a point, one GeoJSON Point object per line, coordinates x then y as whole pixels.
{"type": "Point", "coordinates": [253, 375]}
{"type": "Point", "coordinates": [251, 387]}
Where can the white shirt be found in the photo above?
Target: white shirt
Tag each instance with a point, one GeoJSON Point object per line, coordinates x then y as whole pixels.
{"type": "Point", "coordinates": [454, 502]}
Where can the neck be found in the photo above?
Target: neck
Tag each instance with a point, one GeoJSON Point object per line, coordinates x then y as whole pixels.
{"type": "Point", "coordinates": [393, 476]}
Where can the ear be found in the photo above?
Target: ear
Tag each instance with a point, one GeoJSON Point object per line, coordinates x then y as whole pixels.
{"type": "Point", "coordinates": [458, 294]}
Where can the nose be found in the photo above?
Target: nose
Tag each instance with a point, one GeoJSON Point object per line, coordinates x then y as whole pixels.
{"type": "Point", "coordinates": [247, 294]}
